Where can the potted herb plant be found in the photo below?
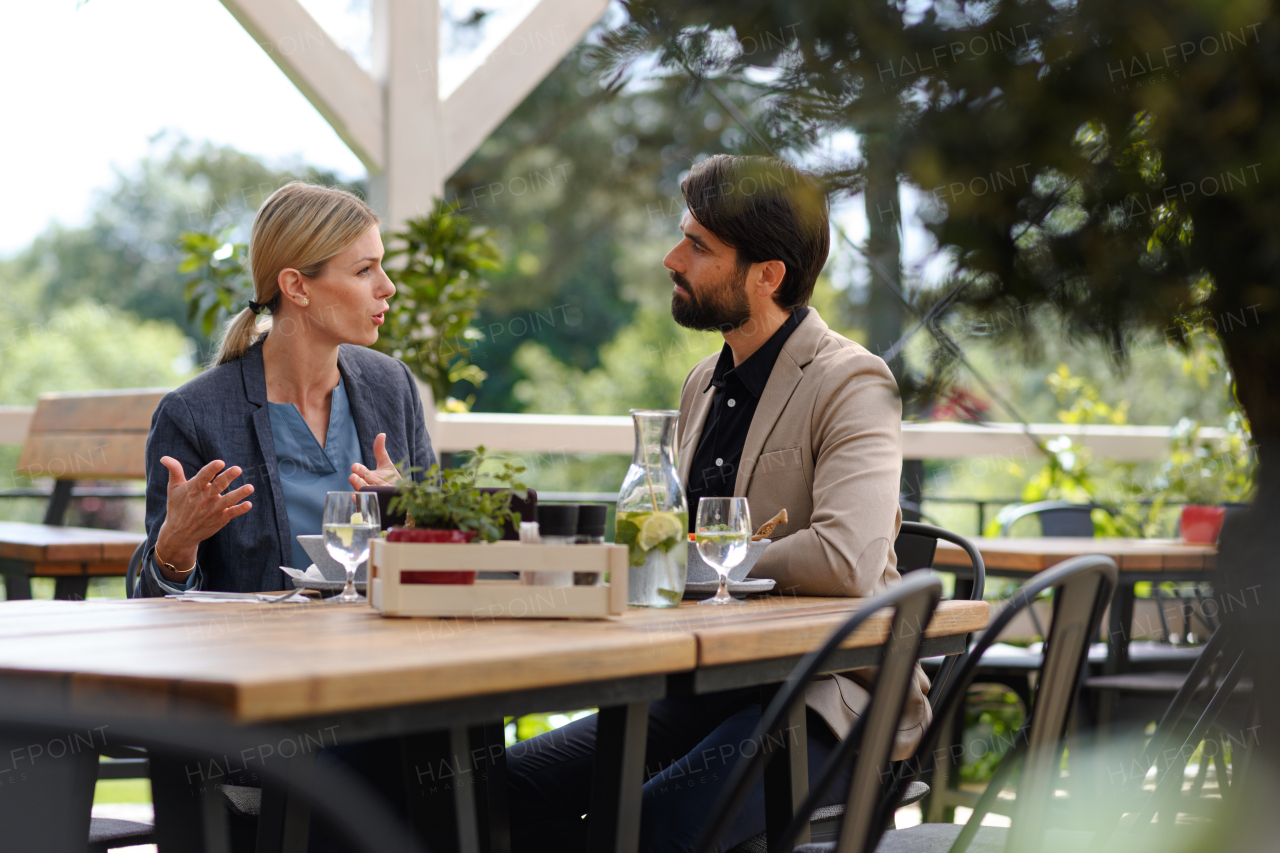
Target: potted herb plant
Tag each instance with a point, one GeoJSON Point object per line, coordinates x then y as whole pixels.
{"type": "Point", "coordinates": [449, 506]}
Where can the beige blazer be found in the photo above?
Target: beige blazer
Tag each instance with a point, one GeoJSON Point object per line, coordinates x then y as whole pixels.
{"type": "Point", "coordinates": [826, 444]}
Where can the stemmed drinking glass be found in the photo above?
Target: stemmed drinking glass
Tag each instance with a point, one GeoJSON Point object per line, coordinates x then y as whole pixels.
{"type": "Point", "coordinates": [350, 521]}
{"type": "Point", "coordinates": [723, 535]}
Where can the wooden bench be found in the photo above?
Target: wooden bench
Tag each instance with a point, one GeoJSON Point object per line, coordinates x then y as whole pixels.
{"type": "Point", "coordinates": [92, 436]}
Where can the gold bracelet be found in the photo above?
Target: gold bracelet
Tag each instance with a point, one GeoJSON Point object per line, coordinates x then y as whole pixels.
{"type": "Point", "coordinates": [170, 566]}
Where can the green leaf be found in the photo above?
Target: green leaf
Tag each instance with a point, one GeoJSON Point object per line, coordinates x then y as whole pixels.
{"type": "Point", "coordinates": [625, 532]}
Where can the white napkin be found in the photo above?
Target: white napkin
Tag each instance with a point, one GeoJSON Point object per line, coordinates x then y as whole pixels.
{"type": "Point", "coordinates": [312, 573]}
{"type": "Point", "coordinates": [214, 597]}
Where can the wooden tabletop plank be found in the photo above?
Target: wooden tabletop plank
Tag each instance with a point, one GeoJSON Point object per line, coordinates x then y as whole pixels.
{"type": "Point", "coordinates": [1036, 554]}
{"type": "Point", "coordinates": [801, 633]}
{"type": "Point", "coordinates": [256, 662]}
{"type": "Point", "coordinates": [49, 544]}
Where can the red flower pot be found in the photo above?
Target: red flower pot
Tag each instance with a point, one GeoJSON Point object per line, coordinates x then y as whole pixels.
{"type": "Point", "coordinates": [418, 534]}
{"type": "Point", "coordinates": [1202, 524]}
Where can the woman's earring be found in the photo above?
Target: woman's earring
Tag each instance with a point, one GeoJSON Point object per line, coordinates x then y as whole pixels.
{"type": "Point", "coordinates": [305, 301]}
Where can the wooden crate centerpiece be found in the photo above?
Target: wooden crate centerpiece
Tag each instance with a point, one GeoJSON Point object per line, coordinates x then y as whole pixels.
{"type": "Point", "coordinates": [400, 581]}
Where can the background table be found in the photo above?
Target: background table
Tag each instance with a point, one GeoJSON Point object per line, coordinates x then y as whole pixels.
{"type": "Point", "coordinates": [1138, 559]}
{"type": "Point", "coordinates": [323, 667]}
{"type": "Point", "coordinates": [1154, 560]}
{"type": "Point", "coordinates": [70, 554]}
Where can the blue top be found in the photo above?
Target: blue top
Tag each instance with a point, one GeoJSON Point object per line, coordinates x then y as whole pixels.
{"type": "Point", "coordinates": [309, 471]}
{"type": "Point", "coordinates": [223, 414]}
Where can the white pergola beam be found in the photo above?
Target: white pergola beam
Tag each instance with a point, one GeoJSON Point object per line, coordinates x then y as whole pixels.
{"type": "Point", "coordinates": [407, 136]}
{"type": "Point", "coordinates": [511, 71]}
{"type": "Point", "coordinates": [406, 50]}
{"type": "Point", "coordinates": [348, 98]}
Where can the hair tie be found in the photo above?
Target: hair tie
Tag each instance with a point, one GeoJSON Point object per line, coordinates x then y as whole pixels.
{"type": "Point", "coordinates": [255, 307]}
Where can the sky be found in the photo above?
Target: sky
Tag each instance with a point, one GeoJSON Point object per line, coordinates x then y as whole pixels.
{"type": "Point", "coordinates": [83, 90]}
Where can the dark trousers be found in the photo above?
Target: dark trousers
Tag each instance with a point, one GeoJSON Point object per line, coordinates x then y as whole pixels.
{"type": "Point", "coordinates": [693, 742]}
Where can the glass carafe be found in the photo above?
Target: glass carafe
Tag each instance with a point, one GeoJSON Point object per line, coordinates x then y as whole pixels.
{"type": "Point", "coordinates": [653, 514]}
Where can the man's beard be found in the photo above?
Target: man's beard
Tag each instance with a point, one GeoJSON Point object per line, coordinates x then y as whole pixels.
{"type": "Point", "coordinates": [722, 306]}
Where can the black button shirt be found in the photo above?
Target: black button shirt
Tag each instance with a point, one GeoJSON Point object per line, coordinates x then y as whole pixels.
{"type": "Point", "coordinates": [714, 467]}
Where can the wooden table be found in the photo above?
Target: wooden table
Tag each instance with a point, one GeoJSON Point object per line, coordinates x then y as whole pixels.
{"type": "Point", "coordinates": [1138, 559]}
{"type": "Point", "coordinates": [343, 669]}
{"type": "Point", "coordinates": [1154, 560]}
{"type": "Point", "coordinates": [70, 554]}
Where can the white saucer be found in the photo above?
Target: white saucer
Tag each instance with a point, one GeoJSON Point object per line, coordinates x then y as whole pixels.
{"type": "Point", "coordinates": [332, 587]}
{"type": "Point", "coordinates": [738, 589]}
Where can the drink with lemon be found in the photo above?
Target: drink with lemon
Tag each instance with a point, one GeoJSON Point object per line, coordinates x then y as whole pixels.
{"type": "Point", "coordinates": [656, 546]}
{"type": "Point", "coordinates": [653, 514]}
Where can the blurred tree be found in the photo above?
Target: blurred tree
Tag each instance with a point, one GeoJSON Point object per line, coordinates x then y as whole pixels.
{"type": "Point", "coordinates": [1114, 161]}
{"type": "Point", "coordinates": [576, 178]}
{"type": "Point", "coordinates": [127, 255]}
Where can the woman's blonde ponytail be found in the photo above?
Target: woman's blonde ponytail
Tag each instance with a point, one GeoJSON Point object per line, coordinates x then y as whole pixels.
{"type": "Point", "coordinates": [301, 226]}
{"type": "Point", "coordinates": [240, 334]}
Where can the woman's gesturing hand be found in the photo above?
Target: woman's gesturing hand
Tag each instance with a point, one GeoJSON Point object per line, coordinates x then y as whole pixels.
{"type": "Point", "coordinates": [197, 509]}
{"type": "Point", "coordinates": [385, 475]}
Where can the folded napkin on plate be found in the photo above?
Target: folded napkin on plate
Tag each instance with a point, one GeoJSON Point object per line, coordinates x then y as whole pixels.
{"type": "Point", "coordinates": [312, 573]}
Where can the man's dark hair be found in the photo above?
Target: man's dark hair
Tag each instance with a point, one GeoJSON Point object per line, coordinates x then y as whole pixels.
{"type": "Point", "coordinates": [767, 210]}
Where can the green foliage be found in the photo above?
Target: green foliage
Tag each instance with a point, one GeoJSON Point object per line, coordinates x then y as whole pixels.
{"type": "Point", "coordinates": [644, 366]}
{"type": "Point", "coordinates": [1211, 471]}
{"type": "Point", "coordinates": [580, 184]}
{"type": "Point", "coordinates": [1086, 182]}
{"type": "Point", "coordinates": [439, 289]}
{"type": "Point", "coordinates": [1200, 469]}
{"type": "Point", "coordinates": [992, 717]}
{"type": "Point", "coordinates": [91, 347]}
{"type": "Point", "coordinates": [128, 256]}
{"type": "Point", "coordinates": [451, 499]}
{"type": "Point", "coordinates": [532, 725]}
{"type": "Point", "coordinates": [222, 285]}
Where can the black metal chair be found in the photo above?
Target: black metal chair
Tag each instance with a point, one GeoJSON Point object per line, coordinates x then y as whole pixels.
{"type": "Point", "coordinates": [51, 809]}
{"type": "Point", "coordinates": [915, 547]}
{"type": "Point", "coordinates": [872, 736]}
{"type": "Point", "coordinates": [913, 601]}
{"type": "Point", "coordinates": [135, 567]}
{"type": "Point", "coordinates": [1083, 586]}
{"type": "Point", "coordinates": [1191, 718]}
{"type": "Point", "coordinates": [1057, 518]}
{"type": "Point", "coordinates": [107, 833]}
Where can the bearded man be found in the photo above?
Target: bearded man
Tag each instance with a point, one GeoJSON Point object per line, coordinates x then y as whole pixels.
{"type": "Point", "coordinates": [790, 415]}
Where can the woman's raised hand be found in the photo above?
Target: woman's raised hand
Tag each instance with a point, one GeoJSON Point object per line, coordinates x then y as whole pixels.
{"type": "Point", "coordinates": [197, 509]}
{"type": "Point", "coordinates": [386, 473]}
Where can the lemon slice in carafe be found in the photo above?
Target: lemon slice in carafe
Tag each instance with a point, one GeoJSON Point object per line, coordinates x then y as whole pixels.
{"type": "Point", "coordinates": [657, 528]}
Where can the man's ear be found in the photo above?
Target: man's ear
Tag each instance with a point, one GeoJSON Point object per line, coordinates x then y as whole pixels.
{"type": "Point", "coordinates": [768, 276]}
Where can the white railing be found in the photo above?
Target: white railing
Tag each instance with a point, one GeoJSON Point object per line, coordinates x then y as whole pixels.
{"type": "Point", "coordinates": [563, 434]}
{"type": "Point", "coordinates": [560, 434]}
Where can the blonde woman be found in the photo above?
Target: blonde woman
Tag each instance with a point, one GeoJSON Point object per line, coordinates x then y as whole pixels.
{"type": "Point", "coordinates": [240, 458]}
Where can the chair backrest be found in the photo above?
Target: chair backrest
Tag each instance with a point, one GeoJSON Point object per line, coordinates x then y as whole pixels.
{"type": "Point", "coordinates": [1213, 677]}
{"type": "Point", "coordinates": [1083, 588]}
{"type": "Point", "coordinates": [95, 436]}
{"type": "Point", "coordinates": [872, 736]}
{"type": "Point", "coordinates": [44, 816]}
{"type": "Point", "coordinates": [1057, 518]}
{"type": "Point", "coordinates": [917, 544]}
